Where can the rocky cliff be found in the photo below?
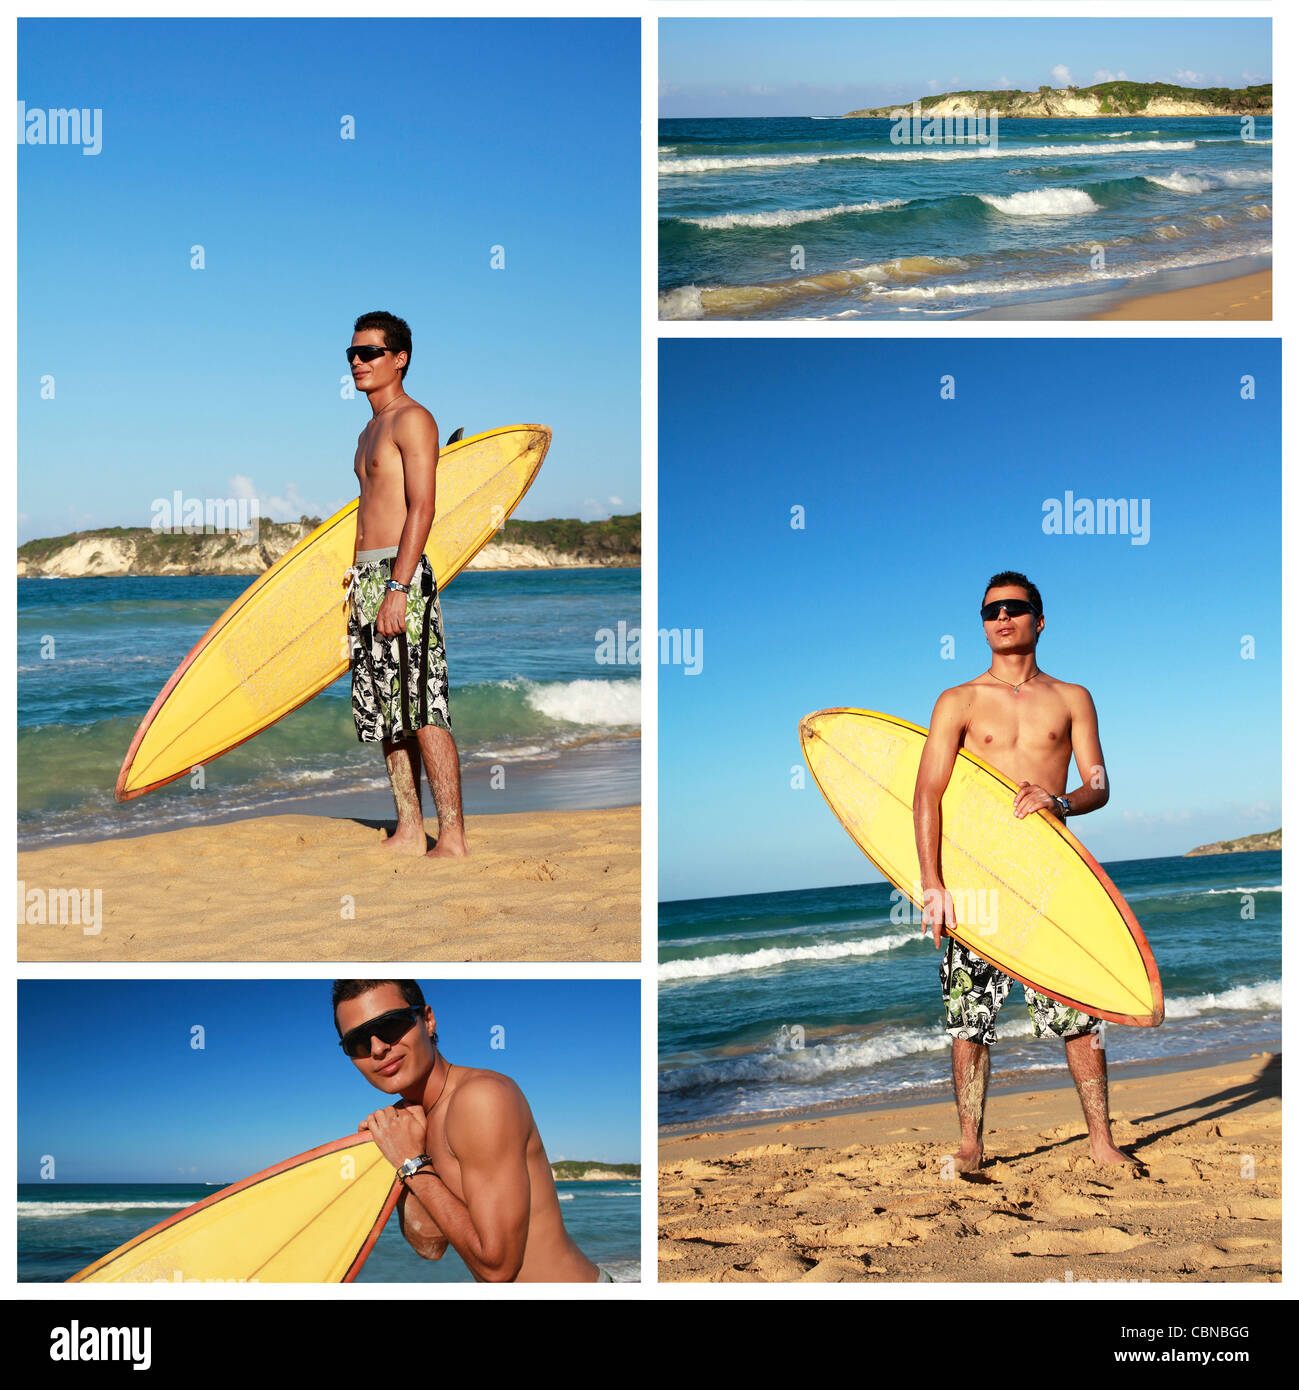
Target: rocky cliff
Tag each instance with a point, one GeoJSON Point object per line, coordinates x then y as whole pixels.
{"type": "Point", "coordinates": [1140, 99]}
{"type": "Point", "coordinates": [140, 551]}
{"type": "Point", "coordinates": [1246, 844]}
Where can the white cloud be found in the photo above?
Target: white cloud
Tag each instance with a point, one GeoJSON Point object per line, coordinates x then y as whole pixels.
{"type": "Point", "coordinates": [615, 501]}
{"type": "Point", "coordinates": [1060, 75]}
{"type": "Point", "coordinates": [1105, 75]}
{"type": "Point", "coordinates": [1186, 76]}
{"type": "Point", "coordinates": [289, 507]}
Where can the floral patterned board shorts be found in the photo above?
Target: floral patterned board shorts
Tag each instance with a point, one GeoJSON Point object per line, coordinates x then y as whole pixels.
{"type": "Point", "coordinates": [399, 684]}
{"type": "Point", "coordinates": [974, 991]}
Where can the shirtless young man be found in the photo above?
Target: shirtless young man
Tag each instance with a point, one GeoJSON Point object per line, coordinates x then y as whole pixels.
{"type": "Point", "coordinates": [399, 668]}
{"type": "Point", "coordinates": [1027, 724]}
{"type": "Point", "coordinates": [473, 1170]}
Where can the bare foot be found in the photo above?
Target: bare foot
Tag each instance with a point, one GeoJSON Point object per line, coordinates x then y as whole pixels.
{"type": "Point", "coordinates": [969, 1158]}
{"type": "Point", "coordinates": [447, 848]}
{"type": "Point", "coordinates": [1107, 1154]}
{"type": "Point", "coordinates": [404, 842]}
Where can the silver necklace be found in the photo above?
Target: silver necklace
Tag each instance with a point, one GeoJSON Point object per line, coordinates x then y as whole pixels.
{"type": "Point", "coordinates": [1015, 688]}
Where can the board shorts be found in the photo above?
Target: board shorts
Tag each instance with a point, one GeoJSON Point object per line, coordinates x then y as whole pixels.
{"type": "Point", "coordinates": [399, 683]}
{"type": "Point", "coordinates": [974, 991]}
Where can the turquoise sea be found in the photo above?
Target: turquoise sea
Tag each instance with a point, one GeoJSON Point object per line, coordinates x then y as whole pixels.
{"type": "Point", "coordinates": [528, 694]}
{"type": "Point", "coordinates": [784, 1001]}
{"type": "Point", "coordinates": [888, 230]}
{"type": "Point", "coordinates": [63, 1227]}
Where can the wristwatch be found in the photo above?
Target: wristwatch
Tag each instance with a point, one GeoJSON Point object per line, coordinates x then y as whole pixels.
{"type": "Point", "coordinates": [412, 1166]}
{"type": "Point", "coordinates": [401, 588]}
{"type": "Point", "coordinates": [1063, 803]}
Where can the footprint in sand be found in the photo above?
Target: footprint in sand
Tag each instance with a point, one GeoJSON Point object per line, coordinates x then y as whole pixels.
{"type": "Point", "coordinates": [1101, 1240]}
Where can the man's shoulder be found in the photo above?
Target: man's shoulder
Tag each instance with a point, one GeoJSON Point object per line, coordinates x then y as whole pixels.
{"type": "Point", "coordinates": [958, 696]}
{"type": "Point", "coordinates": [411, 414]}
{"type": "Point", "coordinates": [481, 1087]}
{"type": "Point", "coordinates": [1070, 690]}
{"type": "Point", "coordinates": [485, 1103]}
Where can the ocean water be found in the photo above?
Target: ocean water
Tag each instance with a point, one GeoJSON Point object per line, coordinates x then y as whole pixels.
{"type": "Point", "coordinates": [63, 1227]}
{"type": "Point", "coordinates": [781, 1001]}
{"type": "Point", "coordinates": [916, 231]}
{"type": "Point", "coordinates": [526, 690]}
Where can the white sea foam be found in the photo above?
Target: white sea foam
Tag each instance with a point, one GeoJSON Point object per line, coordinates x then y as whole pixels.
{"type": "Point", "coordinates": [1042, 202]}
{"type": "Point", "coordinates": [1180, 183]}
{"type": "Point", "coordinates": [1264, 997]}
{"type": "Point", "coordinates": [790, 217]}
{"type": "Point", "coordinates": [600, 704]}
{"type": "Point", "coordinates": [1133, 271]}
{"type": "Point", "coordinates": [1243, 178]}
{"type": "Point", "coordinates": [706, 164]}
{"type": "Point", "coordinates": [781, 1062]}
{"type": "Point", "coordinates": [1235, 892]}
{"type": "Point", "coordinates": [684, 303]}
{"type": "Point", "coordinates": [33, 1209]}
{"type": "Point", "coordinates": [735, 963]}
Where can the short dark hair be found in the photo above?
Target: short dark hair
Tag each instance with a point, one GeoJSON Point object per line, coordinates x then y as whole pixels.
{"type": "Point", "coordinates": [351, 989]}
{"type": "Point", "coordinates": [396, 332]}
{"type": "Point", "coordinates": [1021, 581]}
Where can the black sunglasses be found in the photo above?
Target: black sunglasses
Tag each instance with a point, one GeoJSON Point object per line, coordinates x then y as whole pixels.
{"type": "Point", "coordinates": [388, 1028]}
{"type": "Point", "coordinates": [367, 352]}
{"type": "Point", "coordinates": [1015, 608]}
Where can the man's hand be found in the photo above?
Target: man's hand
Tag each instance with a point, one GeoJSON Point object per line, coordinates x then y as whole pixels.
{"type": "Point", "coordinates": [399, 1131]}
{"type": "Point", "coordinates": [939, 912]}
{"type": "Point", "coordinates": [1031, 797]}
{"type": "Point", "coordinates": [391, 618]}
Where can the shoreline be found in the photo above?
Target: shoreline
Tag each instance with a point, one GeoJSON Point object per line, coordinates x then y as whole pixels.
{"type": "Point", "coordinates": [871, 1193]}
{"type": "Point", "coordinates": [555, 886]}
{"type": "Point", "coordinates": [1238, 290]}
{"type": "Point", "coordinates": [1003, 1083]}
{"type": "Point", "coordinates": [601, 774]}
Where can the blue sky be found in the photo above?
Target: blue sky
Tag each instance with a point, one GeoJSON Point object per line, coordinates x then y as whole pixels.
{"type": "Point", "coordinates": [226, 134]}
{"type": "Point", "coordinates": [802, 67]}
{"type": "Point", "coordinates": [109, 1084]}
{"type": "Point", "coordinates": [911, 504]}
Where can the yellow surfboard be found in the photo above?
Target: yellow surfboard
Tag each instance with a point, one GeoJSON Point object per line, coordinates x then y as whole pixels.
{"type": "Point", "coordinates": [285, 638]}
{"type": "Point", "coordinates": [1028, 897]}
{"type": "Point", "coordinates": [312, 1219]}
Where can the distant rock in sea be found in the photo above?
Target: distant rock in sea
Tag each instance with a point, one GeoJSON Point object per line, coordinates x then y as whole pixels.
{"type": "Point", "coordinates": [1247, 844]}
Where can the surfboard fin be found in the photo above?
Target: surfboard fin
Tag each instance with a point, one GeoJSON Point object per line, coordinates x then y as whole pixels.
{"type": "Point", "coordinates": [457, 436]}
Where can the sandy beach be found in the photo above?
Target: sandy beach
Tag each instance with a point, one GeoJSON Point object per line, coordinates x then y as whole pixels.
{"type": "Point", "coordinates": [541, 885]}
{"type": "Point", "coordinates": [1242, 298]}
{"type": "Point", "coordinates": [870, 1196]}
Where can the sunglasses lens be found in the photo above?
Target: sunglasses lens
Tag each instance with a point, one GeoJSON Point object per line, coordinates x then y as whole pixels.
{"type": "Point", "coordinates": [388, 1028]}
{"type": "Point", "coordinates": [365, 353]}
{"type": "Point", "coordinates": [1015, 608]}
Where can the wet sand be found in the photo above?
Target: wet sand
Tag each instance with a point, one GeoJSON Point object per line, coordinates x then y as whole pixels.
{"type": "Point", "coordinates": [1243, 298]}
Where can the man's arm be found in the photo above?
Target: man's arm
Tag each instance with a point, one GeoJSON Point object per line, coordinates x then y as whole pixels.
{"type": "Point", "coordinates": [419, 1228]}
{"type": "Point", "coordinates": [1095, 789]}
{"type": "Point", "coordinates": [487, 1129]}
{"type": "Point", "coordinates": [946, 729]}
{"type": "Point", "coordinates": [415, 434]}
